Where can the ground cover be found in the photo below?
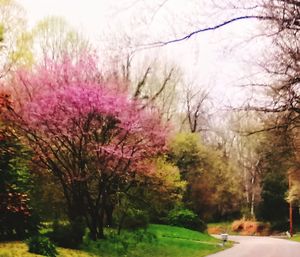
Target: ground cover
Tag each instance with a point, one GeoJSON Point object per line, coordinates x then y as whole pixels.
{"type": "Point", "coordinates": [169, 241]}
{"type": "Point", "coordinates": [158, 240]}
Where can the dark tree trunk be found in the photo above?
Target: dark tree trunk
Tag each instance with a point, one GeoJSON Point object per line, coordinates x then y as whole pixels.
{"type": "Point", "coordinates": [96, 226]}
{"type": "Point", "coordinates": [109, 215]}
{"type": "Point", "coordinates": [120, 226]}
{"type": "Point", "coordinates": [101, 224]}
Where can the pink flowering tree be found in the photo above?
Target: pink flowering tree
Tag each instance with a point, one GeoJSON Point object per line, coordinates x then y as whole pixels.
{"type": "Point", "coordinates": [89, 135]}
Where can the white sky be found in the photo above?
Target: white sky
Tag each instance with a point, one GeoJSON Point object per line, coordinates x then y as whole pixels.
{"type": "Point", "coordinates": [88, 15]}
{"type": "Point", "coordinates": [216, 59]}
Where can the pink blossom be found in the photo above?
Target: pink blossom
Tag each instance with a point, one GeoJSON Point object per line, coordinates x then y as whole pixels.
{"type": "Point", "coordinates": [74, 118]}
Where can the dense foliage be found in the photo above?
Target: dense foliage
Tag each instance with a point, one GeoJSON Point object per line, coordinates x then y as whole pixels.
{"type": "Point", "coordinates": [78, 129]}
{"type": "Point", "coordinates": [181, 217]}
{"type": "Point", "coordinates": [212, 187]}
{"type": "Point", "coordinates": [67, 235]}
{"type": "Point", "coordinates": [276, 159]}
{"type": "Point", "coordinates": [16, 217]}
{"type": "Point", "coordinates": [41, 245]}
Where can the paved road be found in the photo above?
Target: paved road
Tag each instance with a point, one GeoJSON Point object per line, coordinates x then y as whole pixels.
{"type": "Point", "coordinates": [248, 246]}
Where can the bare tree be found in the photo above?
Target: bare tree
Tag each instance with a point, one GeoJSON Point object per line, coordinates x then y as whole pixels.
{"type": "Point", "coordinates": [197, 105]}
{"type": "Point", "coordinates": [246, 157]}
{"type": "Point", "coordinates": [54, 38]}
{"type": "Point", "coordinates": [14, 38]}
{"type": "Point", "coordinates": [149, 76]}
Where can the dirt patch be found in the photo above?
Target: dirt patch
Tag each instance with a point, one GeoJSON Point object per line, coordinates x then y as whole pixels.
{"type": "Point", "coordinates": [215, 230]}
{"type": "Point", "coordinates": [237, 225]}
{"type": "Point", "coordinates": [250, 228]}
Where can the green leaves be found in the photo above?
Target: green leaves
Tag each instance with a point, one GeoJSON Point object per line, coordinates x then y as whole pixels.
{"type": "Point", "coordinates": [15, 184]}
{"type": "Point", "coordinates": [186, 153]}
{"type": "Point", "coordinates": [42, 245]}
{"type": "Point", "coordinates": [14, 158]}
{"type": "Point", "coordinates": [211, 179]}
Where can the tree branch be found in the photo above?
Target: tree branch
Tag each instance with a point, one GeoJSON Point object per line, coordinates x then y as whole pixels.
{"type": "Point", "coordinates": [246, 17]}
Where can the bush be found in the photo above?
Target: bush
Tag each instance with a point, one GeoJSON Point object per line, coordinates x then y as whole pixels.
{"type": "Point", "coordinates": [69, 235]}
{"type": "Point", "coordinates": [187, 219]}
{"type": "Point", "coordinates": [41, 245]}
{"type": "Point", "coordinates": [17, 225]}
{"type": "Point", "coordinates": [136, 219]}
{"type": "Point", "coordinates": [280, 226]}
{"type": "Point", "coordinates": [250, 227]}
{"type": "Point", "coordinates": [120, 245]}
{"type": "Point", "coordinates": [238, 225]}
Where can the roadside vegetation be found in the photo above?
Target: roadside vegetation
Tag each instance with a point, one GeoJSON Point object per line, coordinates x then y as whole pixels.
{"type": "Point", "coordinates": [157, 240]}
{"type": "Point", "coordinates": [296, 237]}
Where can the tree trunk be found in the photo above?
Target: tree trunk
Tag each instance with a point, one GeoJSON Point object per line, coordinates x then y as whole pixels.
{"type": "Point", "coordinates": [252, 205]}
{"type": "Point", "coordinates": [109, 215]}
{"type": "Point", "coordinates": [121, 223]}
{"type": "Point", "coordinates": [101, 224]}
{"type": "Point", "coordinates": [96, 226]}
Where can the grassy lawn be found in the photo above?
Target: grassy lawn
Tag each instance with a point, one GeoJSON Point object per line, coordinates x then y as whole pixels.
{"type": "Point", "coordinates": [169, 242]}
{"type": "Point", "coordinates": [170, 247]}
{"type": "Point", "coordinates": [178, 242]}
{"type": "Point", "coordinates": [181, 233]}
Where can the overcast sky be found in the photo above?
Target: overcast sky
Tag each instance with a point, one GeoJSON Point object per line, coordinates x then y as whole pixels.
{"type": "Point", "coordinates": [219, 59]}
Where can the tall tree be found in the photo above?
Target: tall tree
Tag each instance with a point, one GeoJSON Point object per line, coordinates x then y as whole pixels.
{"type": "Point", "coordinates": [212, 187]}
{"type": "Point", "coordinates": [276, 158]}
{"type": "Point", "coordinates": [15, 182]}
{"type": "Point", "coordinates": [91, 136]}
{"type": "Point", "coordinates": [246, 144]}
{"type": "Point", "coordinates": [197, 110]}
{"type": "Point", "coordinates": [15, 40]}
{"type": "Point", "coordinates": [53, 38]}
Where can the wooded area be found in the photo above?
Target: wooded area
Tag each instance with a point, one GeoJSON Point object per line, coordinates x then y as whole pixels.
{"type": "Point", "coordinates": [94, 141]}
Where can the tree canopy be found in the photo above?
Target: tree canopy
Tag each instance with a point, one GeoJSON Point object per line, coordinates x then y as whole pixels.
{"type": "Point", "coordinates": [91, 136]}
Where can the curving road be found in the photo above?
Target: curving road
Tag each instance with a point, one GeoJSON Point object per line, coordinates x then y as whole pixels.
{"type": "Point", "coordinates": [251, 246]}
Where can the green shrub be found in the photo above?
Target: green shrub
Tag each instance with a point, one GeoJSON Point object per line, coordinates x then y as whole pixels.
{"type": "Point", "coordinates": [17, 225]}
{"type": "Point", "coordinates": [280, 226]}
{"type": "Point", "coordinates": [136, 219]}
{"type": "Point", "coordinates": [185, 218]}
{"type": "Point", "coordinates": [41, 245]}
{"type": "Point", "coordinates": [120, 245]}
{"type": "Point", "coordinates": [68, 235]}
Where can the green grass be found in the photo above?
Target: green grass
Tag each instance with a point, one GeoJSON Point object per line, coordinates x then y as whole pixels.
{"type": "Point", "coordinates": [296, 237]}
{"type": "Point", "coordinates": [19, 249]}
{"type": "Point", "coordinates": [180, 233]}
{"type": "Point", "coordinates": [169, 242]}
{"type": "Point", "coordinates": [169, 247]}
{"type": "Point", "coordinates": [178, 242]}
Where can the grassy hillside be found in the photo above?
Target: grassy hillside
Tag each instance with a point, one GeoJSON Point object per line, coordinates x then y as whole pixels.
{"type": "Point", "coordinates": [178, 242]}
{"type": "Point", "coordinates": [182, 233]}
{"type": "Point", "coordinates": [169, 242]}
